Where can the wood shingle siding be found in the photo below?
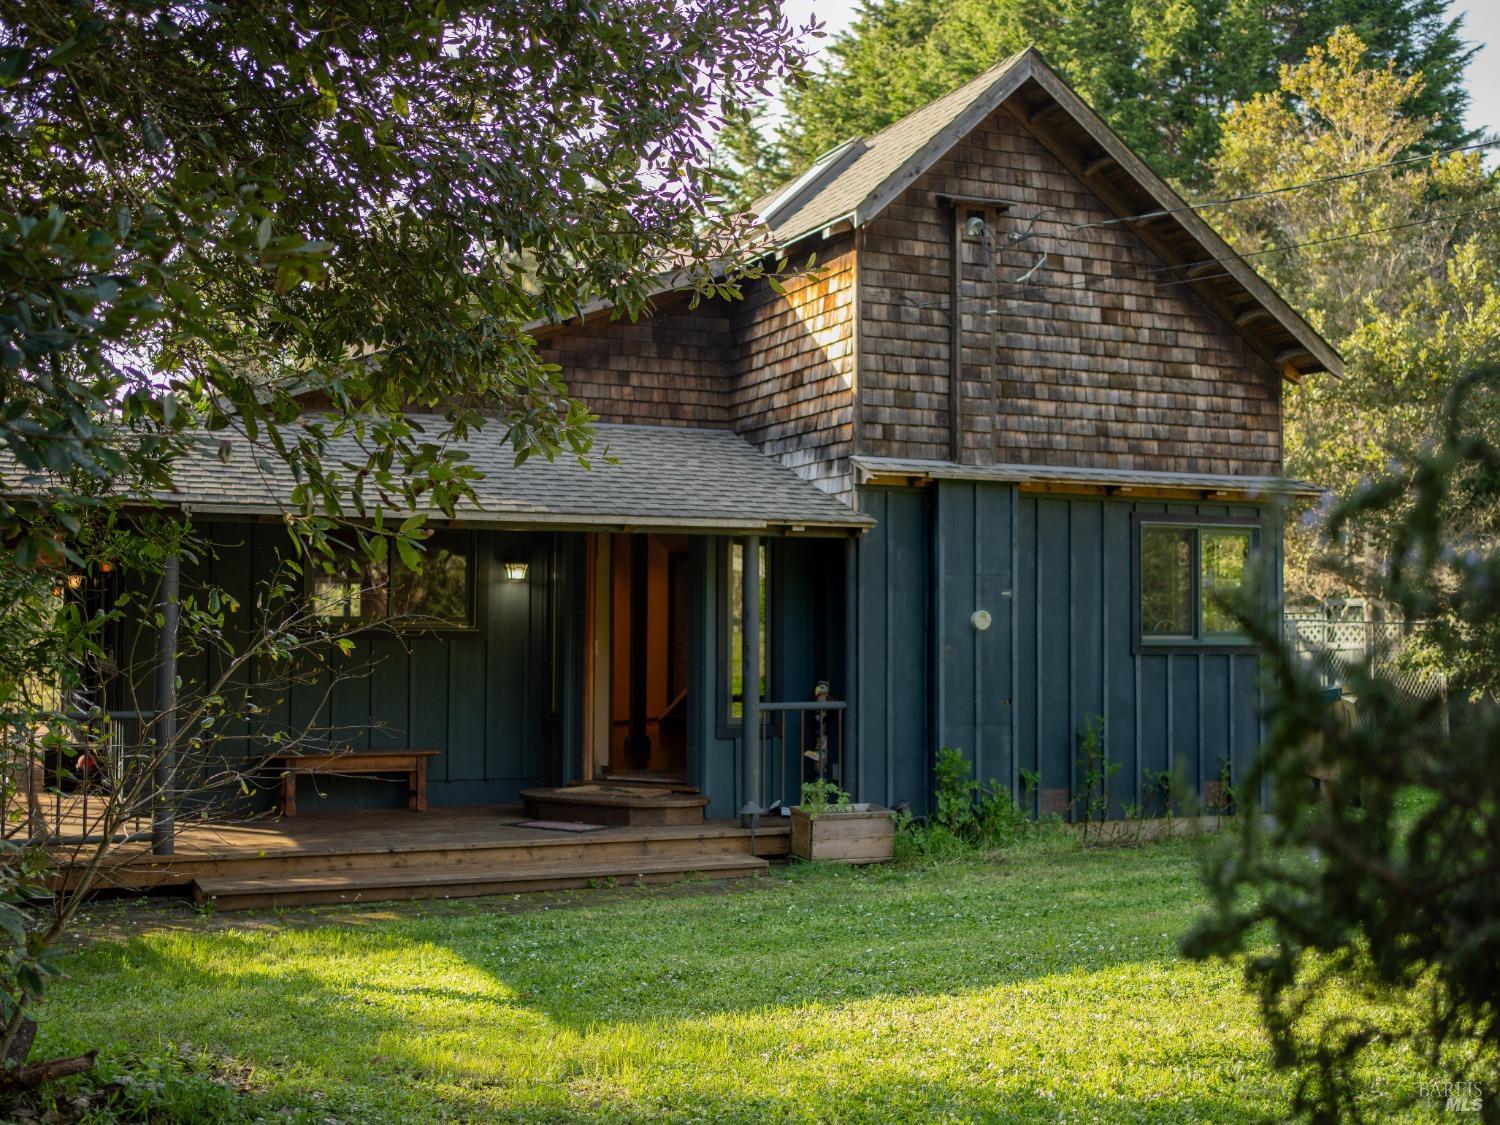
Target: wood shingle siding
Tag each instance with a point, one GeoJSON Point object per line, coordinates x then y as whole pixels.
{"type": "Point", "coordinates": [1100, 323]}
{"type": "Point", "coordinates": [669, 369]}
{"type": "Point", "coordinates": [792, 389]}
{"type": "Point", "coordinates": [1091, 363]}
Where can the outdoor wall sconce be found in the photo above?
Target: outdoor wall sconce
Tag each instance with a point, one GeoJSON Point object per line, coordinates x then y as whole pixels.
{"type": "Point", "coordinates": [515, 571]}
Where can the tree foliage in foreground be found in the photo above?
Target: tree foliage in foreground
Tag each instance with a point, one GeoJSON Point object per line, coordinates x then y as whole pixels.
{"type": "Point", "coordinates": [1162, 74]}
{"type": "Point", "coordinates": [1396, 267]}
{"type": "Point", "coordinates": [213, 214]}
{"type": "Point", "coordinates": [1388, 882]}
{"type": "Point", "coordinates": [89, 754]}
{"type": "Point", "coordinates": [297, 221]}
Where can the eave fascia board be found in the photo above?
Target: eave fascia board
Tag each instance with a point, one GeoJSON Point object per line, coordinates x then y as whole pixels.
{"type": "Point", "coordinates": [856, 524]}
{"type": "Point", "coordinates": [1006, 83]}
{"type": "Point", "coordinates": [1185, 216]}
{"type": "Point", "coordinates": [896, 470]}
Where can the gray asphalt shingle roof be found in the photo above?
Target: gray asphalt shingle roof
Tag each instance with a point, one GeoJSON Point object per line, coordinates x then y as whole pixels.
{"type": "Point", "coordinates": [661, 477]}
{"type": "Point", "coordinates": [855, 174]}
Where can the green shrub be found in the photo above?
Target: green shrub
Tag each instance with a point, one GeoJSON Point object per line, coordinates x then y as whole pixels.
{"type": "Point", "coordinates": [820, 796]}
{"type": "Point", "coordinates": [968, 815]}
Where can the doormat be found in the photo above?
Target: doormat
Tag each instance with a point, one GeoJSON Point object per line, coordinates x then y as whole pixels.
{"type": "Point", "coordinates": [558, 825]}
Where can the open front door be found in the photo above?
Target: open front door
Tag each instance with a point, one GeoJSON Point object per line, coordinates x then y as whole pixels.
{"type": "Point", "coordinates": [639, 659]}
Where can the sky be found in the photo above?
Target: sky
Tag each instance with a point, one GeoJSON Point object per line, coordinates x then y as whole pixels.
{"type": "Point", "coordinates": [1481, 25]}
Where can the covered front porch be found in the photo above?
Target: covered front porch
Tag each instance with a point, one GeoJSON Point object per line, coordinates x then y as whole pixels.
{"type": "Point", "coordinates": [677, 620]}
{"type": "Point", "coordinates": [709, 664]}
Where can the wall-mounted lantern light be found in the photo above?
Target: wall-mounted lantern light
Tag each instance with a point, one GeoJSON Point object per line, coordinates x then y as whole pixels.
{"type": "Point", "coordinates": [515, 570]}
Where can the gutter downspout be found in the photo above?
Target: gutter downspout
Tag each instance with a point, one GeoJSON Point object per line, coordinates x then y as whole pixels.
{"type": "Point", "coordinates": [851, 667]}
{"type": "Point", "coordinates": [956, 336]}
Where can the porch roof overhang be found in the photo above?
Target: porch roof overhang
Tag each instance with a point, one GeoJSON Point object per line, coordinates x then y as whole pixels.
{"type": "Point", "coordinates": [639, 478]}
{"type": "Point", "coordinates": [1072, 478]}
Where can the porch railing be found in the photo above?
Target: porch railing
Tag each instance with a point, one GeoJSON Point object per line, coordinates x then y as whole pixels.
{"type": "Point", "coordinates": [804, 741]}
{"type": "Point", "coordinates": [70, 792]}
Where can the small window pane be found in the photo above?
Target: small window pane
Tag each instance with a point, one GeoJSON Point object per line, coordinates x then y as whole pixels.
{"type": "Point", "coordinates": [438, 594]}
{"type": "Point", "coordinates": [1166, 581]}
{"type": "Point", "coordinates": [1225, 569]}
{"type": "Point", "coordinates": [355, 592]}
{"type": "Point", "coordinates": [336, 599]}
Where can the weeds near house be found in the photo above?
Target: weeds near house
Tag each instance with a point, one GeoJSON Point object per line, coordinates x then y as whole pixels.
{"type": "Point", "coordinates": [821, 796]}
{"type": "Point", "coordinates": [1097, 771]}
{"type": "Point", "coordinates": [1165, 789]}
{"type": "Point", "coordinates": [970, 815]}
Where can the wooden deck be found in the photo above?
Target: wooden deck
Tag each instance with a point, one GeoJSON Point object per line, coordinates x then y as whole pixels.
{"type": "Point", "coordinates": [375, 855]}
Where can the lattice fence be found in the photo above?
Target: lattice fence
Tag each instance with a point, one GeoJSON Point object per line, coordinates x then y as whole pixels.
{"type": "Point", "coordinates": [1332, 646]}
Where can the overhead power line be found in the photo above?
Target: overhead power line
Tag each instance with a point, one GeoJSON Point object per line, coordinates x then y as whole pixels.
{"type": "Point", "coordinates": [1330, 240]}
{"type": "Point", "coordinates": [1337, 177]}
{"type": "Point", "coordinates": [1087, 282]}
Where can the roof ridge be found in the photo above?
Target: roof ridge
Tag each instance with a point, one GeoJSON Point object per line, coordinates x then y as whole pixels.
{"type": "Point", "coordinates": [772, 200]}
{"type": "Point", "coordinates": [985, 77]}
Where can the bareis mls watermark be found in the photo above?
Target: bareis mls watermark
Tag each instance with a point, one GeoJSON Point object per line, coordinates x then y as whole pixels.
{"type": "Point", "coordinates": [1453, 1097]}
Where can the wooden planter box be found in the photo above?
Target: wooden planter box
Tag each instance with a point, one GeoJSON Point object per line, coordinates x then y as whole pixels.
{"type": "Point", "coordinates": [844, 837]}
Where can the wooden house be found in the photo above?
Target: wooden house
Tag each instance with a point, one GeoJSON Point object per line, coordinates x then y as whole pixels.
{"type": "Point", "coordinates": [980, 473]}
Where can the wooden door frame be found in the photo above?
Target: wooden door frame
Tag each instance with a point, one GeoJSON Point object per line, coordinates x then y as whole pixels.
{"type": "Point", "coordinates": [598, 657]}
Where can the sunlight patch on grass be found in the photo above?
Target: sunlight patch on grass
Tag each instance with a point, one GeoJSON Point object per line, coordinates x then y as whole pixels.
{"type": "Point", "coordinates": [1045, 984]}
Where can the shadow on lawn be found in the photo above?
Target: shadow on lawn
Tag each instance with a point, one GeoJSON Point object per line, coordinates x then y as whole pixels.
{"type": "Point", "coordinates": [482, 1045]}
{"type": "Point", "coordinates": [903, 1100]}
{"type": "Point", "coordinates": [833, 937]}
{"type": "Point", "coordinates": [548, 1014]}
{"type": "Point", "coordinates": [816, 944]}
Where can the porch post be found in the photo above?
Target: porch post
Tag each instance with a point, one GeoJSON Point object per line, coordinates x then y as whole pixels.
{"type": "Point", "coordinates": [851, 667]}
{"type": "Point", "coordinates": [637, 741]}
{"type": "Point", "coordinates": [166, 706]}
{"type": "Point", "coordinates": [750, 810]}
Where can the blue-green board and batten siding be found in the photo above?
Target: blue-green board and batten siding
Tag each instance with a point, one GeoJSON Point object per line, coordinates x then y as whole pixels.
{"type": "Point", "coordinates": [1054, 573]}
{"type": "Point", "coordinates": [483, 696]}
{"type": "Point", "coordinates": [503, 701]}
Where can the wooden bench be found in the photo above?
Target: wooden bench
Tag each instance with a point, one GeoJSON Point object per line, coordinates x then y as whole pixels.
{"type": "Point", "coordinates": [413, 763]}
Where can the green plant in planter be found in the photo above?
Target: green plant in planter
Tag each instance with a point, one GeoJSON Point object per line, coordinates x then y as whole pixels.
{"type": "Point", "coordinates": [820, 796]}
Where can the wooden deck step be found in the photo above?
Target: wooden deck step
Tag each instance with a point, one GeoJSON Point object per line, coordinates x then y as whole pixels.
{"type": "Point", "coordinates": [490, 846]}
{"type": "Point", "coordinates": [447, 881]}
{"type": "Point", "coordinates": [615, 803]}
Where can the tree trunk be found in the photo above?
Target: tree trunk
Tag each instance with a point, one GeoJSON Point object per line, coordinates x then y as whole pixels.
{"type": "Point", "coordinates": [35, 1074]}
{"type": "Point", "coordinates": [20, 1044]}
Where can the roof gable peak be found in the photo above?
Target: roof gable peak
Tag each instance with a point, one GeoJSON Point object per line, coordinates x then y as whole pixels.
{"type": "Point", "coordinates": [861, 178]}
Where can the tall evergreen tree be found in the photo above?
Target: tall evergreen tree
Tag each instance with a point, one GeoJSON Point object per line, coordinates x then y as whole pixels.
{"type": "Point", "coordinates": [1162, 73]}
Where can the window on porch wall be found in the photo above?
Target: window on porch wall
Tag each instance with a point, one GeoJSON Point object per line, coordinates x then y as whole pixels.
{"type": "Point", "coordinates": [438, 596]}
{"type": "Point", "coordinates": [736, 631]}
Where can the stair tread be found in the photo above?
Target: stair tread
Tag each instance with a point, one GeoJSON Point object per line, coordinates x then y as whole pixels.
{"type": "Point", "coordinates": [361, 878]}
{"type": "Point", "coordinates": [616, 795]}
{"type": "Point", "coordinates": [612, 834]}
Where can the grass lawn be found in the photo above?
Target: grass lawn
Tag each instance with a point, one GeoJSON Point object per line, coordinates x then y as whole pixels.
{"type": "Point", "coordinates": [1040, 986]}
